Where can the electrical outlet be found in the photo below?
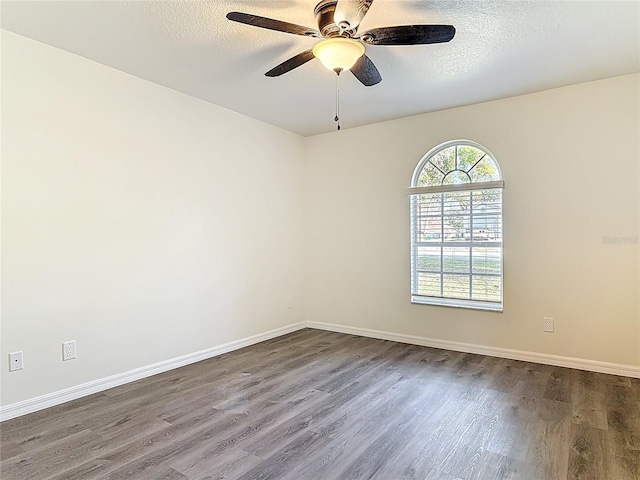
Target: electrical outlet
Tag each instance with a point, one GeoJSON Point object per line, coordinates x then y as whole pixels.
{"type": "Point", "coordinates": [15, 361]}
{"type": "Point", "coordinates": [68, 350]}
{"type": "Point", "coordinates": [548, 325]}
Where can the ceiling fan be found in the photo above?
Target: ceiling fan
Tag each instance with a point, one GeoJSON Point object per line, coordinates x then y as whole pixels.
{"type": "Point", "coordinates": [343, 47]}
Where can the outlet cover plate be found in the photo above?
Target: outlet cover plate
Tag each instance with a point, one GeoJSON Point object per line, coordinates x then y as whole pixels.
{"type": "Point", "coordinates": [15, 361]}
{"type": "Point", "coordinates": [68, 350]}
{"type": "Point", "coordinates": [548, 325]}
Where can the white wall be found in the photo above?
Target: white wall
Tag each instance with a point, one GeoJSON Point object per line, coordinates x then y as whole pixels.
{"type": "Point", "coordinates": [138, 221]}
{"type": "Point", "coordinates": [570, 159]}
{"type": "Point", "coordinates": [146, 224]}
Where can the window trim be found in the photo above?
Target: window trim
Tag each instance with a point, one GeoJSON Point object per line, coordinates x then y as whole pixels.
{"type": "Point", "coordinates": [457, 303]}
{"type": "Point", "coordinates": [461, 187]}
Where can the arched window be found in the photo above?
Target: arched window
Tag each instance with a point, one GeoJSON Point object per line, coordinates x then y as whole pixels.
{"type": "Point", "coordinates": [456, 227]}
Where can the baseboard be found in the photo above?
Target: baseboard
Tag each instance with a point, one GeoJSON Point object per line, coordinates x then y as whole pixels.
{"type": "Point", "coordinates": [556, 360]}
{"type": "Point", "coordinates": [56, 398]}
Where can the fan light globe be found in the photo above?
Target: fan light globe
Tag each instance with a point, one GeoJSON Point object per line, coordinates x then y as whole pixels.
{"type": "Point", "coordinates": [338, 53]}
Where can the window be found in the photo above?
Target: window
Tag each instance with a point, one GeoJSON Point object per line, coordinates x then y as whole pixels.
{"type": "Point", "coordinates": [456, 228]}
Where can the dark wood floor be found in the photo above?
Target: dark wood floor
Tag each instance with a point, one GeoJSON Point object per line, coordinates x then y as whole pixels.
{"type": "Point", "coordinates": [322, 405]}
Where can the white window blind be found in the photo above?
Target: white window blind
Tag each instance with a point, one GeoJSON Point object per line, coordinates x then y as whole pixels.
{"type": "Point", "coordinates": [456, 233]}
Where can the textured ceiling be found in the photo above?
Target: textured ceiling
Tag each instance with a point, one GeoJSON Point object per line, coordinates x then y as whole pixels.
{"type": "Point", "coordinates": [501, 49]}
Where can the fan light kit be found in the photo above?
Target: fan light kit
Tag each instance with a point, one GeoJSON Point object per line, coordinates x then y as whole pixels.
{"type": "Point", "coordinates": [343, 47]}
{"type": "Point", "coordinates": [338, 53]}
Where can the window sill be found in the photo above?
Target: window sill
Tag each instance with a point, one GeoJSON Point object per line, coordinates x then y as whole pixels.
{"type": "Point", "coordinates": [446, 302]}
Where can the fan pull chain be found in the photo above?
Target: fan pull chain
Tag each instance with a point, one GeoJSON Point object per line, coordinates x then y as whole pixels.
{"type": "Point", "coordinates": [337, 118]}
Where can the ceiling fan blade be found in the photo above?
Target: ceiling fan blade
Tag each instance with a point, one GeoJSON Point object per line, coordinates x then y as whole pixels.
{"type": "Point", "coordinates": [409, 35]}
{"type": "Point", "coordinates": [271, 24]}
{"type": "Point", "coordinates": [349, 13]}
{"type": "Point", "coordinates": [365, 71]}
{"type": "Point", "coordinates": [293, 62]}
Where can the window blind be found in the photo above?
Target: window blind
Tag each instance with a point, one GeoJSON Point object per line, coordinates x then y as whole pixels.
{"type": "Point", "coordinates": [456, 243]}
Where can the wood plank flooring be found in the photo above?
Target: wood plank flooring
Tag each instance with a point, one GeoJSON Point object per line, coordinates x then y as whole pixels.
{"type": "Point", "coordinates": [322, 405]}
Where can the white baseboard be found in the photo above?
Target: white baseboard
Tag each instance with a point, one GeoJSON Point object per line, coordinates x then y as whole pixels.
{"type": "Point", "coordinates": [547, 359]}
{"type": "Point", "coordinates": [56, 398]}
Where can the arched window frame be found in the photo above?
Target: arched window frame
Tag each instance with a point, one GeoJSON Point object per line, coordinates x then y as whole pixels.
{"type": "Point", "coordinates": [490, 246]}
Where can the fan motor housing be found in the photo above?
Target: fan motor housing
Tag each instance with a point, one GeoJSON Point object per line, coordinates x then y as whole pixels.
{"type": "Point", "coordinates": [326, 24]}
